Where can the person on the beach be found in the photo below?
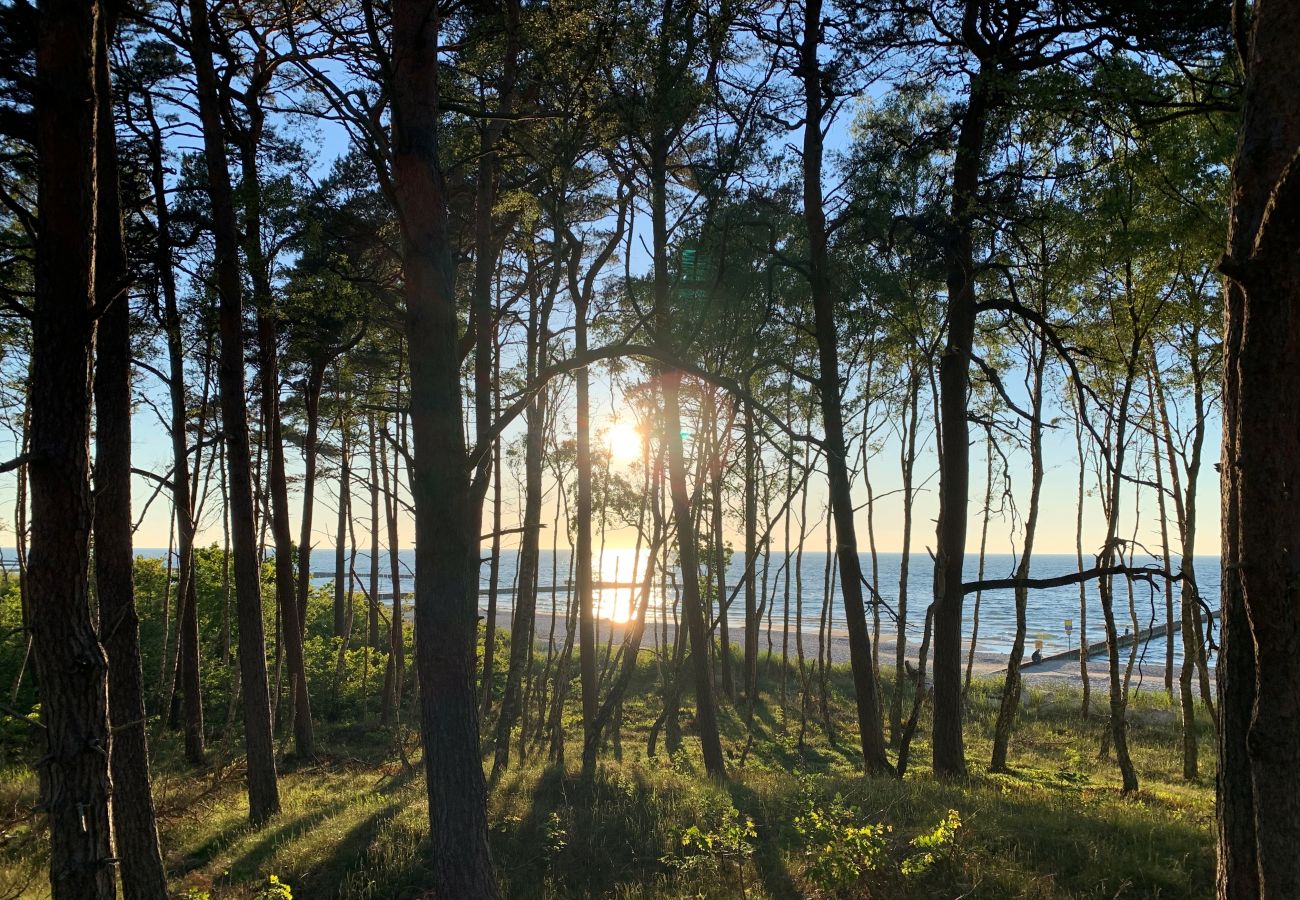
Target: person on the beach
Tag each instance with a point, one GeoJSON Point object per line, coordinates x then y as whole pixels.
{"type": "Point", "coordinates": [1037, 657]}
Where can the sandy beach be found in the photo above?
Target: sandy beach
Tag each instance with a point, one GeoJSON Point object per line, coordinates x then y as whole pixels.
{"type": "Point", "coordinates": [1052, 672]}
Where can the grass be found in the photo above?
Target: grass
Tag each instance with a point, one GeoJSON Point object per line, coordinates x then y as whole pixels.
{"type": "Point", "coordinates": [353, 823]}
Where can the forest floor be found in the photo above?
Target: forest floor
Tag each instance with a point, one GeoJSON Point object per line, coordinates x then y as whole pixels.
{"type": "Point", "coordinates": [794, 819]}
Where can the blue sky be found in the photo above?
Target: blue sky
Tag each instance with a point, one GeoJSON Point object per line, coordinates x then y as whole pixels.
{"type": "Point", "coordinates": [1057, 525]}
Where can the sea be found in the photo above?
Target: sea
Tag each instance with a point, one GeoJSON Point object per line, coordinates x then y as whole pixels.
{"type": "Point", "coordinates": [1053, 614]}
{"type": "Point", "coordinates": [798, 590]}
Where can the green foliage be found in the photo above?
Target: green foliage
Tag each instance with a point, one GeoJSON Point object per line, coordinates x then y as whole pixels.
{"type": "Point", "coordinates": [935, 845]}
{"type": "Point", "coordinates": [275, 889]}
{"type": "Point", "coordinates": [836, 848]}
{"type": "Point", "coordinates": [724, 837]}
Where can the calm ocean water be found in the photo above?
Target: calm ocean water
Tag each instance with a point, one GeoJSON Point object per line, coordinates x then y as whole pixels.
{"type": "Point", "coordinates": [1049, 609]}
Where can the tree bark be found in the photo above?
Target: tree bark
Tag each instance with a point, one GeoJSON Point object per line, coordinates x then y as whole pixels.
{"type": "Point", "coordinates": [697, 629]}
{"type": "Point", "coordinates": [342, 612]}
{"type": "Point", "coordinates": [263, 786]}
{"type": "Point", "coordinates": [954, 464]}
{"type": "Point", "coordinates": [753, 615]}
{"type": "Point", "coordinates": [1261, 461]}
{"type": "Point", "coordinates": [135, 828]}
{"type": "Point", "coordinates": [1011, 688]}
{"type": "Point", "coordinates": [187, 625]}
{"type": "Point", "coordinates": [525, 606]}
{"type": "Point", "coordinates": [397, 626]}
{"type": "Point", "coordinates": [582, 550]}
{"type": "Point", "coordinates": [841, 496]}
{"type": "Point", "coordinates": [446, 526]}
{"type": "Point", "coordinates": [907, 459]}
{"type": "Point", "coordinates": [311, 454]}
{"type": "Point", "coordinates": [70, 667]}
{"type": "Point", "coordinates": [277, 481]}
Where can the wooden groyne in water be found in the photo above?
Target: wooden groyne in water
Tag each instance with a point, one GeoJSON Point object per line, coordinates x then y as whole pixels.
{"type": "Point", "coordinates": [1124, 640]}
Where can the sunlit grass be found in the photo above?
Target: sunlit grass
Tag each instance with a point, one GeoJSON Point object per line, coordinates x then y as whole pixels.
{"type": "Point", "coordinates": [353, 824]}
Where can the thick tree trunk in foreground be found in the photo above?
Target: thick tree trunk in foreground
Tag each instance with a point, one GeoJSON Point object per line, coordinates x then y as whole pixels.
{"type": "Point", "coordinates": [134, 825]}
{"type": "Point", "coordinates": [69, 663]}
{"type": "Point", "coordinates": [263, 786]}
{"type": "Point", "coordinates": [446, 528]}
{"type": "Point", "coordinates": [1259, 816]}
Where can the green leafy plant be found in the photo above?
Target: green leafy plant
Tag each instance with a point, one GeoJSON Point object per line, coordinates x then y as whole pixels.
{"type": "Point", "coordinates": [837, 849]}
{"type": "Point", "coordinates": [557, 836]}
{"type": "Point", "coordinates": [275, 889]}
{"type": "Point", "coordinates": [934, 845]}
{"type": "Point", "coordinates": [726, 838]}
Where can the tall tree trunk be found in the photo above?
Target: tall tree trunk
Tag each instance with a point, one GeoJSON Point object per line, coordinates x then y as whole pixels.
{"type": "Point", "coordinates": [71, 670]}
{"type": "Point", "coordinates": [397, 625]}
{"type": "Point", "coordinates": [1113, 480]}
{"type": "Point", "coordinates": [1163, 510]}
{"type": "Point", "coordinates": [841, 496]}
{"type": "Point", "coordinates": [446, 524]}
{"type": "Point", "coordinates": [1185, 514]}
{"type": "Point", "coordinates": [697, 629]}
{"type": "Point", "coordinates": [135, 828]}
{"type": "Point", "coordinates": [263, 786]}
{"type": "Point", "coordinates": [720, 556]}
{"type": "Point", "coordinates": [1261, 463]}
{"type": "Point", "coordinates": [521, 642]}
{"type": "Point", "coordinates": [984, 544]}
{"type": "Point", "coordinates": [582, 549]}
{"type": "Point", "coordinates": [753, 615]}
{"type": "Point", "coordinates": [494, 569]}
{"type": "Point", "coordinates": [1011, 687]}
{"type": "Point", "coordinates": [187, 625]}
{"type": "Point", "coordinates": [372, 457]}
{"type": "Point", "coordinates": [311, 454]}
{"type": "Point", "coordinates": [341, 610]}
{"type": "Point", "coordinates": [304, 739]}
{"type": "Point", "coordinates": [954, 429]}
{"type": "Point", "coordinates": [1078, 550]}
{"type": "Point", "coordinates": [907, 454]}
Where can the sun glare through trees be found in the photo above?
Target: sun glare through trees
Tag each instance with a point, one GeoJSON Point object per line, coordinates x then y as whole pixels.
{"type": "Point", "coordinates": [649, 448]}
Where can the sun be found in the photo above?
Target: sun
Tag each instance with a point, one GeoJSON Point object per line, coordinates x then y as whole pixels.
{"type": "Point", "coordinates": [623, 440]}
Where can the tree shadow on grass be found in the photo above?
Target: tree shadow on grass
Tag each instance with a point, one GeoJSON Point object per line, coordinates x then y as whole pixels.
{"type": "Point", "coordinates": [202, 855]}
{"type": "Point", "coordinates": [354, 854]}
{"type": "Point", "coordinates": [1111, 849]}
{"type": "Point", "coordinates": [583, 838]}
{"type": "Point", "coordinates": [248, 863]}
{"type": "Point", "coordinates": [768, 860]}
